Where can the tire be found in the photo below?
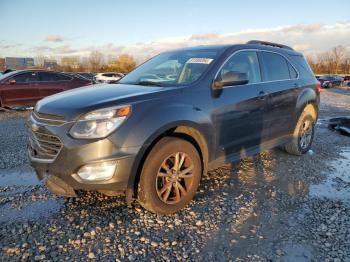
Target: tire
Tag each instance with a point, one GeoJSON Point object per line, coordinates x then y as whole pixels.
{"type": "Point", "coordinates": [159, 174]}
{"type": "Point", "coordinates": [300, 145]}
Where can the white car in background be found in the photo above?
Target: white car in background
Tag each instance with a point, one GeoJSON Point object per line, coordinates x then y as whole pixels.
{"type": "Point", "coordinates": [109, 77]}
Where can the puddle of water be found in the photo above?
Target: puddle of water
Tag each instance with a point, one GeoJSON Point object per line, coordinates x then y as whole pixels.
{"type": "Point", "coordinates": [296, 253]}
{"type": "Point", "coordinates": [337, 184]}
{"type": "Point", "coordinates": [30, 211]}
{"type": "Point", "coordinates": [22, 176]}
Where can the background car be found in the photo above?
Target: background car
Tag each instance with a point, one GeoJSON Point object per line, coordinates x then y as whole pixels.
{"type": "Point", "coordinates": [26, 87]}
{"type": "Point", "coordinates": [329, 81]}
{"type": "Point", "coordinates": [108, 77]}
{"type": "Point", "coordinates": [347, 78]}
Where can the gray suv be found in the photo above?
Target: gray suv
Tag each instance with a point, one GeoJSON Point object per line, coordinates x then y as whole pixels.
{"type": "Point", "coordinates": [155, 133]}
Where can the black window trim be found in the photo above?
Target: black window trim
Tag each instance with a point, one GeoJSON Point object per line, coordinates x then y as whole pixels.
{"type": "Point", "coordinates": [260, 66]}
{"type": "Point", "coordinates": [39, 81]}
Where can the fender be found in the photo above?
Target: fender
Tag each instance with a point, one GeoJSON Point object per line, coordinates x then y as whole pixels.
{"type": "Point", "coordinates": [152, 126]}
{"type": "Point", "coordinates": [307, 96]}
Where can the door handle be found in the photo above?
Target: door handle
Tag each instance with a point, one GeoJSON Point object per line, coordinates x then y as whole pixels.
{"type": "Point", "coordinates": [262, 95]}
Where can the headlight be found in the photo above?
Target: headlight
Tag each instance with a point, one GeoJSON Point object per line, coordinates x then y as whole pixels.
{"type": "Point", "coordinates": [100, 123]}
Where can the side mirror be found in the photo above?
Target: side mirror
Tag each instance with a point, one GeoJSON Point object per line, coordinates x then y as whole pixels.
{"type": "Point", "coordinates": [231, 78]}
{"type": "Point", "coordinates": [12, 81]}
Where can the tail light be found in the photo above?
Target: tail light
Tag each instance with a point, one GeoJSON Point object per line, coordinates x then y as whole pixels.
{"type": "Point", "coordinates": [318, 87]}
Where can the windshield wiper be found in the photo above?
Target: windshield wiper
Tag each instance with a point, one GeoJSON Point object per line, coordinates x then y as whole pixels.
{"type": "Point", "coordinates": [149, 83]}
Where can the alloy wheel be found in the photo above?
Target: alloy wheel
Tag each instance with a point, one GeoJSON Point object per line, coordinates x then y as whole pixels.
{"type": "Point", "coordinates": [306, 134]}
{"type": "Point", "coordinates": [174, 178]}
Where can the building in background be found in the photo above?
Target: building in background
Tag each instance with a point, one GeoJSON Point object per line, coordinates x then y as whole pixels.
{"type": "Point", "coordinates": [2, 64]}
{"type": "Point", "coordinates": [18, 62]}
{"type": "Point", "coordinates": [50, 63]}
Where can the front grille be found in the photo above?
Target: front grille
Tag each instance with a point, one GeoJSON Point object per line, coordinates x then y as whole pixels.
{"type": "Point", "coordinates": [44, 146]}
{"type": "Point", "coordinates": [49, 119]}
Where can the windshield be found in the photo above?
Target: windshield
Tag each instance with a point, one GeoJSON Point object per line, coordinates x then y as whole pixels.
{"type": "Point", "coordinates": [171, 68]}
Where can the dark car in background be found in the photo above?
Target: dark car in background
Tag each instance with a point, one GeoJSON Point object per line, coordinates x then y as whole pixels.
{"type": "Point", "coordinates": [26, 87]}
{"type": "Point", "coordinates": [165, 124]}
{"type": "Point", "coordinates": [347, 78]}
{"type": "Point", "coordinates": [329, 81]}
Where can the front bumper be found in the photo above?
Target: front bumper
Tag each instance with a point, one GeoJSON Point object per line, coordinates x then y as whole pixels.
{"type": "Point", "coordinates": [64, 161]}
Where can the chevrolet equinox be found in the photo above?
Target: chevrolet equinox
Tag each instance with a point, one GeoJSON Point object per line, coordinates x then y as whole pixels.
{"type": "Point", "coordinates": [154, 134]}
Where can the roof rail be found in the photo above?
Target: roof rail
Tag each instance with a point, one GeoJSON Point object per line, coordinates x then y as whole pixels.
{"type": "Point", "coordinates": [258, 42]}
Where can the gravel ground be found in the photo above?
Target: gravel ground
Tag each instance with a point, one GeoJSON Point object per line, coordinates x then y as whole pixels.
{"type": "Point", "coordinates": [272, 207]}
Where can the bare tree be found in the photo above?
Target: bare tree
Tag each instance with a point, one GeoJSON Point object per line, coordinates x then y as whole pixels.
{"type": "Point", "coordinates": [40, 60]}
{"type": "Point", "coordinates": [95, 60]}
{"type": "Point", "coordinates": [337, 54]}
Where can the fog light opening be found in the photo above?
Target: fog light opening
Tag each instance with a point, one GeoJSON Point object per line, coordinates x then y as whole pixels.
{"type": "Point", "coordinates": [98, 171]}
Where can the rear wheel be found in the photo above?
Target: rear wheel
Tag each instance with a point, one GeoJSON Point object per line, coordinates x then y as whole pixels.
{"type": "Point", "coordinates": [303, 135]}
{"type": "Point", "coordinates": [170, 176]}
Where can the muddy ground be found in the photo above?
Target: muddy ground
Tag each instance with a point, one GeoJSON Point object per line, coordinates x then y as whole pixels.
{"type": "Point", "coordinates": [272, 207]}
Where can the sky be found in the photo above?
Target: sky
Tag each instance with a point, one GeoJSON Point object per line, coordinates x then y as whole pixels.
{"type": "Point", "coordinates": [59, 28]}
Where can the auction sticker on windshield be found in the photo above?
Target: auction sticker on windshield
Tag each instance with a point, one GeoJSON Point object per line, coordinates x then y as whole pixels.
{"type": "Point", "coordinates": [198, 60]}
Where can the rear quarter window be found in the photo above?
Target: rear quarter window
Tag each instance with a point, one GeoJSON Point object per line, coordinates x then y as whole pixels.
{"type": "Point", "coordinates": [303, 67]}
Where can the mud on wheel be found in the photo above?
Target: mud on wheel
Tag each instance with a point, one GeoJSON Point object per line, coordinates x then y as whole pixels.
{"type": "Point", "coordinates": [303, 135]}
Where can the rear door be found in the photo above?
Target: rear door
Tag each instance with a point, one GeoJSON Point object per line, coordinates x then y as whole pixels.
{"type": "Point", "coordinates": [52, 83]}
{"type": "Point", "coordinates": [281, 87]}
{"type": "Point", "coordinates": [238, 110]}
{"type": "Point", "coordinates": [21, 89]}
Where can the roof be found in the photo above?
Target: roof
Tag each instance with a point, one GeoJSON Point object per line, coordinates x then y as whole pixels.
{"type": "Point", "coordinates": [253, 44]}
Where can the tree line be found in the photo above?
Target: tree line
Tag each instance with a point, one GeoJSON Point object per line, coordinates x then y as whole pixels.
{"type": "Point", "coordinates": [124, 63]}
{"type": "Point", "coordinates": [334, 61]}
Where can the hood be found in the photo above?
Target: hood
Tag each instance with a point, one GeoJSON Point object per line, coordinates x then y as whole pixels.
{"type": "Point", "coordinates": [72, 103]}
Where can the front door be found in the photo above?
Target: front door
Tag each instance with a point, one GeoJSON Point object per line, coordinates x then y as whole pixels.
{"type": "Point", "coordinates": [21, 89]}
{"type": "Point", "coordinates": [238, 110]}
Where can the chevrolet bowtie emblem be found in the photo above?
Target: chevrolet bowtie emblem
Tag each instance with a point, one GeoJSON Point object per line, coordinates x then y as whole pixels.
{"type": "Point", "coordinates": [34, 128]}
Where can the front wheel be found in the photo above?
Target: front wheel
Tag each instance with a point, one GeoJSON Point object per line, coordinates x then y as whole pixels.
{"type": "Point", "coordinates": [170, 176]}
{"type": "Point", "coordinates": [303, 135]}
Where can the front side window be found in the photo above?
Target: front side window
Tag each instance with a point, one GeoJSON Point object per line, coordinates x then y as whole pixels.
{"type": "Point", "coordinates": [244, 62]}
{"type": "Point", "coordinates": [172, 68]}
{"type": "Point", "coordinates": [276, 66]}
{"type": "Point", "coordinates": [26, 77]}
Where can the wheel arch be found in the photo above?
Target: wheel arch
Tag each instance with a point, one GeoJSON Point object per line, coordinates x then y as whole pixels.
{"type": "Point", "coordinates": [308, 101]}
{"type": "Point", "coordinates": [186, 131]}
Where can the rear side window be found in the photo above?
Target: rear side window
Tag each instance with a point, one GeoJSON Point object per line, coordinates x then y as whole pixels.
{"type": "Point", "coordinates": [108, 75]}
{"type": "Point", "coordinates": [244, 62]}
{"type": "Point", "coordinates": [276, 66]}
{"type": "Point", "coordinates": [26, 77]}
{"type": "Point", "coordinates": [302, 66]}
